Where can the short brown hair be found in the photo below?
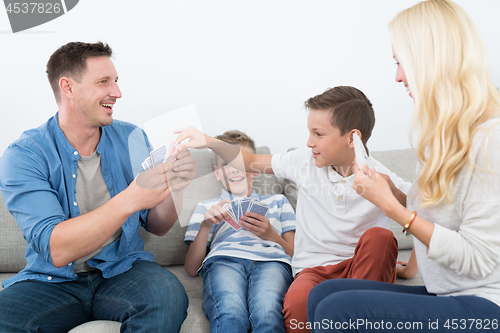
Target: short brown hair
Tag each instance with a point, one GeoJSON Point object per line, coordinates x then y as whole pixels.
{"type": "Point", "coordinates": [71, 60]}
{"type": "Point", "coordinates": [236, 137]}
{"type": "Point", "coordinates": [349, 108]}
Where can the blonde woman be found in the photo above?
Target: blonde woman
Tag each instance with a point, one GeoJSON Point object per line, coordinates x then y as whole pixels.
{"type": "Point", "coordinates": [453, 209]}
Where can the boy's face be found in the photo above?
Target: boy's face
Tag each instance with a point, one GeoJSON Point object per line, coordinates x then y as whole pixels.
{"type": "Point", "coordinates": [329, 148]}
{"type": "Point", "coordinates": [235, 181]}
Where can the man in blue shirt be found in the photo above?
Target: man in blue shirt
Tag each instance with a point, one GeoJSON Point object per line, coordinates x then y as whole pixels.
{"type": "Point", "coordinates": [75, 188]}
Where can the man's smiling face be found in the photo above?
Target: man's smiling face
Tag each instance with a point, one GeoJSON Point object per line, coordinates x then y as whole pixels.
{"type": "Point", "coordinates": [97, 92]}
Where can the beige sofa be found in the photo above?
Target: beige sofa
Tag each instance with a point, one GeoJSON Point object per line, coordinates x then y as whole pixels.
{"type": "Point", "coordinates": [170, 250]}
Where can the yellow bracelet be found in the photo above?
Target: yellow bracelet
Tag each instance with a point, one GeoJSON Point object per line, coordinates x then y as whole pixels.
{"type": "Point", "coordinates": [410, 221]}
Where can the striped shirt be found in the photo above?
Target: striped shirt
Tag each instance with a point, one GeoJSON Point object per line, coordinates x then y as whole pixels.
{"type": "Point", "coordinates": [223, 240]}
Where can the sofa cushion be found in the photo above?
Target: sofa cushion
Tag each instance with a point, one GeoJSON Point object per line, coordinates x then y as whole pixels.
{"type": "Point", "coordinates": [98, 326]}
{"type": "Point", "coordinates": [12, 243]}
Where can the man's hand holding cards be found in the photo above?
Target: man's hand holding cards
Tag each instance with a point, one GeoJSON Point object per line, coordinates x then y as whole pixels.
{"type": "Point", "coordinates": [161, 155]}
{"type": "Point", "coordinates": [177, 175]}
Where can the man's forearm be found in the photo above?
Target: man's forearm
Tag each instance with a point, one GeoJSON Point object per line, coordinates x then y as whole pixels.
{"type": "Point", "coordinates": [74, 238]}
{"type": "Point", "coordinates": [162, 217]}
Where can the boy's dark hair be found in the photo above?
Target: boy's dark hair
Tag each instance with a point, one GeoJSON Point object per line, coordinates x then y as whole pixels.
{"type": "Point", "coordinates": [349, 108]}
{"type": "Point", "coordinates": [236, 137]}
{"type": "Point", "coordinates": [70, 60]}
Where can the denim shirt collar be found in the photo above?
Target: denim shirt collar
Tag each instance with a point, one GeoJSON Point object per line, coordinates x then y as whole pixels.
{"type": "Point", "coordinates": [63, 142]}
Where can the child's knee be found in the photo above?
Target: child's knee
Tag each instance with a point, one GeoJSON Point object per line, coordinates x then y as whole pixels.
{"type": "Point", "coordinates": [379, 235]}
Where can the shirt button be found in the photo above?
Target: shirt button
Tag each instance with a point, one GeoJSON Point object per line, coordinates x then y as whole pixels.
{"type": "Point", "coordinates": [342, 181]}
{"type": "Point", "coordinates": [341, 197]}
{"type": "Point", "coordinates": [49, 278]}
{"type": "Point", "coordinates": [75, 153]}
{"type": "Point", "coordinates": [70, 264]}
{"type": "Point", "coordinates": [75, 204]}
{"type": "Point", "coordinates": [74, 176]}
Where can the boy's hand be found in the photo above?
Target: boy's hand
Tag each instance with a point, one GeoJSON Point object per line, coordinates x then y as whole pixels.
{"type": "Point", "coordinates": [258, 225]}
{"type": "Point", "coordinates": [196, 138]}
{"type": "Point", "coordinates": [216, 214]}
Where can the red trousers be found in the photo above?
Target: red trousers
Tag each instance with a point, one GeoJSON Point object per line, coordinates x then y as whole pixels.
{"type": "Point", "coordinates": [374, 259]}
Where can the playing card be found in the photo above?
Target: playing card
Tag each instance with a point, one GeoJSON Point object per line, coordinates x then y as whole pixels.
{"type": "Point", "coordinates": [240, 212]}
{"type": "Point", "coordinates": [149, 165]}
{"type": "Point", "coordinates": [244, 204]}
{"type": "Point", "coordinates": [359, 151]}
{"type": "Point", "coordinates": [235, 206]}
{"type": "Point", "coordinates": [258, 207]}
{"type": "Point", "coordinates": [172, 152]}
{"type": "Point", "coordinates": [229, 210]}
{"type": "Point", "coordinates": [157, 155]}
{"type": "Point", "coordinates": [230, 220]}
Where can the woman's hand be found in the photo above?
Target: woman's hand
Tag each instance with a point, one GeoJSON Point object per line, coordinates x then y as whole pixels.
{"type": "Point", "coordinates": [375, 187]}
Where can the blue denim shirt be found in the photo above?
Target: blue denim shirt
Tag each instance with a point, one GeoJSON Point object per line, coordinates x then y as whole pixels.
{"type": "Point", "coordinates": [37, 178]}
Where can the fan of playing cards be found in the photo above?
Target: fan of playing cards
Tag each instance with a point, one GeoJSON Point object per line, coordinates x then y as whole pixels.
{"type": "Point", "coordinates": [160, 155]}
{"type": "Point", "coordinates": [239, 206]}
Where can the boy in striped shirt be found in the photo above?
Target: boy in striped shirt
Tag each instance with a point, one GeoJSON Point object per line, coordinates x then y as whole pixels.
{"type": "Point", "coordinates": [246, 273]}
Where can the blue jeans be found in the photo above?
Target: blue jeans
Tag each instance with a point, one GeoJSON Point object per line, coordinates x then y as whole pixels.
{"type": "Point", "coordinates": [241, 295]}
{"type": "Point", "coordinates": [348, 305]}
{"type": "Point", "coordinates": [146, 298]}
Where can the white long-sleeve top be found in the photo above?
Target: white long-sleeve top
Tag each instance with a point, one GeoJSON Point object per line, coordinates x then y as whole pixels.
{"type": "Point", "coordinates": [464, 251]}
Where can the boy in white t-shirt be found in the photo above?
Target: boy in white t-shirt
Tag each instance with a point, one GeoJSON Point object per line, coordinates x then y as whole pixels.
{"type": "Point", "coordinates": [246, 272]}
{"type": "Point", "coordinates": [338, 232]}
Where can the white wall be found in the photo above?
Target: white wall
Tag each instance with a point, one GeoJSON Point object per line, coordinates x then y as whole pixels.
{"type": "Point", "coordinates": [246, 64]}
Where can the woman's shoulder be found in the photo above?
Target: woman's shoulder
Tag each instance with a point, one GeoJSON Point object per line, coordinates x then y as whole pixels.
{"type": "Point", "coordinates": [487, 131]}
{"type": "Point", "coordinates": [486, 141]}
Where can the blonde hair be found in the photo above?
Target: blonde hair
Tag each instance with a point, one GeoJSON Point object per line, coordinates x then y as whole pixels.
{"type": "Point", "coordinates": [446, 67]}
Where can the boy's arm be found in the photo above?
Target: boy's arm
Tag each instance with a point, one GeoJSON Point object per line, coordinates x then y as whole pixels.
{"type": "Point", "coordinates": [288, 242]}
{"type": "Point", "coordinates": [400, 195]}
{"type": "Point", "coordinates": [232, 154]}
{"type": "Point", "coordinates": [410, 269]}
{"type": "Point", "coordinates": [198, 248]}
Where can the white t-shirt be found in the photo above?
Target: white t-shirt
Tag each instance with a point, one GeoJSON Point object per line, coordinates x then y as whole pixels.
{"type": "Point", "coordinates": [331, 216]}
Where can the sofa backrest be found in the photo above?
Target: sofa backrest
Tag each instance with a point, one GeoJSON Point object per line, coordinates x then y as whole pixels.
{"type": "Point", "coordinates": [171, 249]}
{"type": "Point", "coordinates": [12, 243]}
